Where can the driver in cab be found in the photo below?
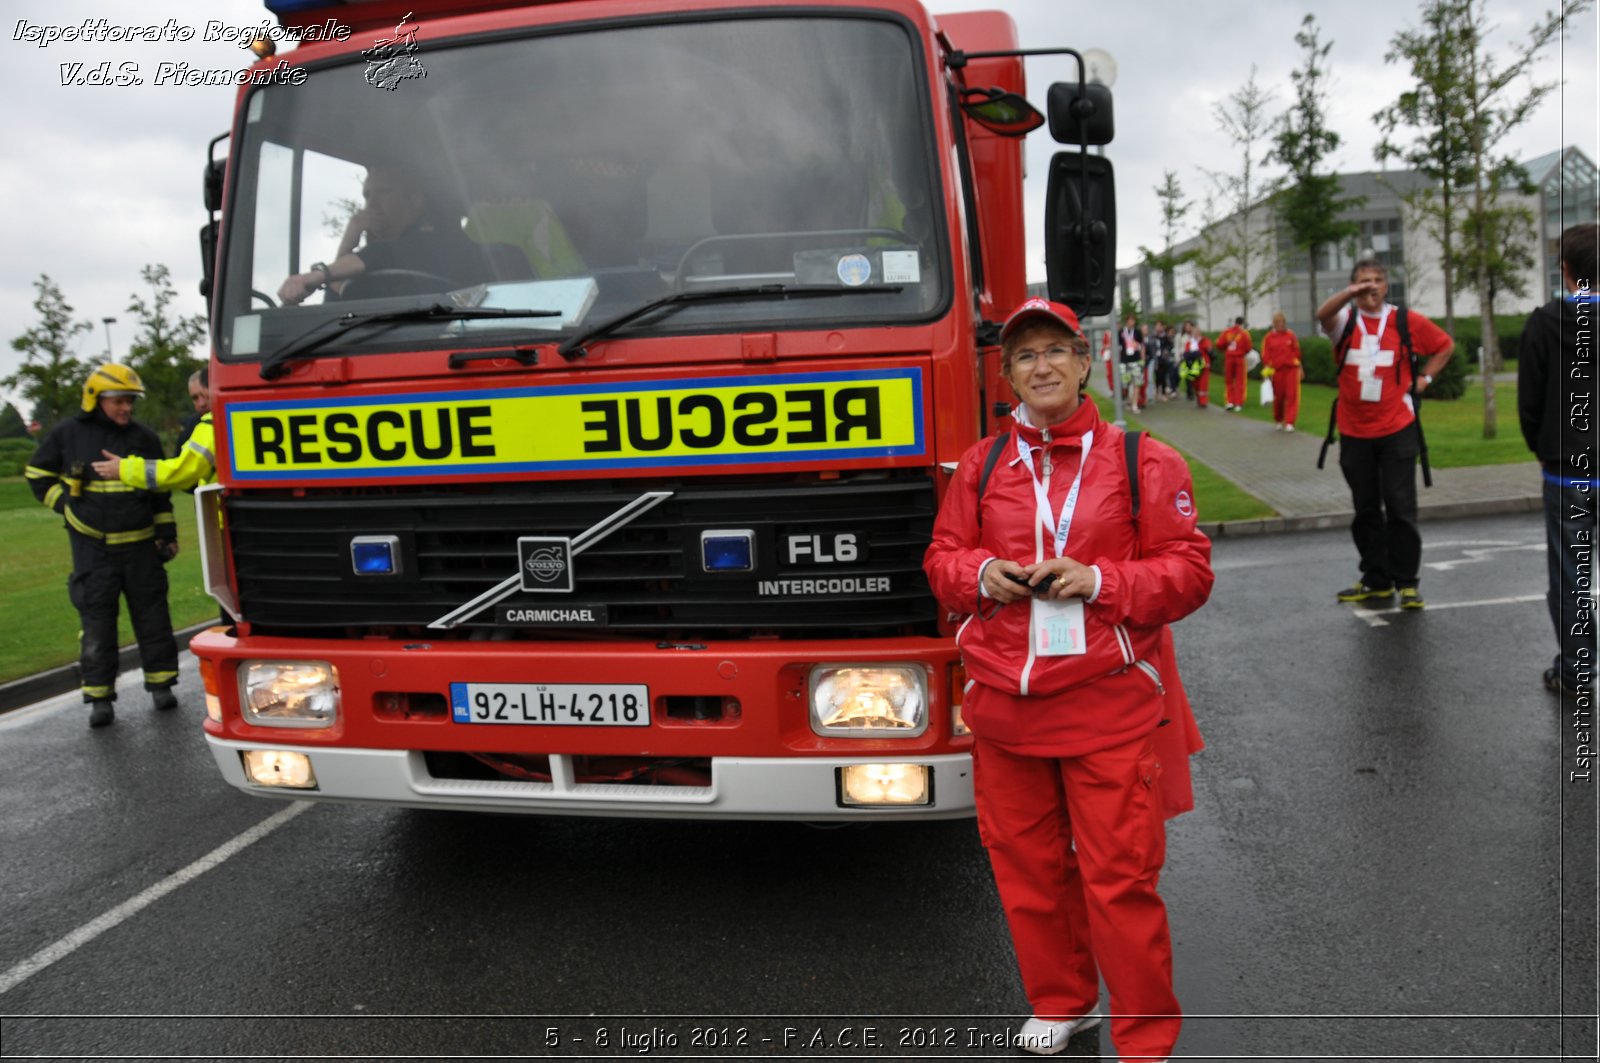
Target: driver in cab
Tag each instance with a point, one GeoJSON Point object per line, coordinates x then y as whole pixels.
{"type": "Point", "coordinates": [396, 243]}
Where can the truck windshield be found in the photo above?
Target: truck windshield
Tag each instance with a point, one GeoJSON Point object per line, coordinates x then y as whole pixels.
{"type": "Point", "coordinates": [586, 173]}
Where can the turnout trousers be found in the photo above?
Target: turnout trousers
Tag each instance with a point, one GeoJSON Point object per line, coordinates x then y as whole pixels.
{"type": "Point", "coordinates": [1382, 474]}
{"type": "Point", "coordinates": [100, 576]}
{"type": "Point", "coordinates": [1077, 844]}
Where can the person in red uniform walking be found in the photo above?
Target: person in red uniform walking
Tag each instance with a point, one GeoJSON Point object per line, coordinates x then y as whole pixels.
{"type": "Point", "coordinates": [1280, 355]}
{"type": "Point", "coordinates": [1068, 597]}
{"type": "Point", "coordinates": [1235, 343]}
{"type": "Point", "coordinates": [1378, 436]}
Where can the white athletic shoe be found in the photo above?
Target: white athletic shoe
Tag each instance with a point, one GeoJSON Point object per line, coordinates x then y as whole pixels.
{"type": "Point", "coordinates": [1042, 1037]}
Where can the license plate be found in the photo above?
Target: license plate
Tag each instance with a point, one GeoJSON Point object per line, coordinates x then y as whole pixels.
{"type": "Point", "coordinates": [552, 704]}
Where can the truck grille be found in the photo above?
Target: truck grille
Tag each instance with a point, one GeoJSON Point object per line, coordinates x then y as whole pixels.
{"type": "Point", "coordinates": [291, 553]}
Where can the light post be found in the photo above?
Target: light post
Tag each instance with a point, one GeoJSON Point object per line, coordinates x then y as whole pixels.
{"type": "Point", "coordinates": [109, 321]}
{"type": "Point", "coordinates": [1100, 69]}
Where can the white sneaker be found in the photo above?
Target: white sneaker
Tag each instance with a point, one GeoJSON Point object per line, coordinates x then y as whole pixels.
{"type": "Point", "coordinates": [1042, 1037]}
{"type": "Point", "coordinates": [1288, 428]}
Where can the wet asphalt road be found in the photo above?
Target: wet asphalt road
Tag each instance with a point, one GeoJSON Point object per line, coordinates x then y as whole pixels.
{"type": "Point", "coordinates": [1387, 860]}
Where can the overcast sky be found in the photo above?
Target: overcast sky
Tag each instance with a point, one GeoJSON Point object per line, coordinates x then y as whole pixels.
{"type": "Point", "coordinates": [100, 180]}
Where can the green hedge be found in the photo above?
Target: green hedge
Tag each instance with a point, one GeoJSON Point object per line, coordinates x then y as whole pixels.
{"type": "Point", "coordinates": [14, 455]}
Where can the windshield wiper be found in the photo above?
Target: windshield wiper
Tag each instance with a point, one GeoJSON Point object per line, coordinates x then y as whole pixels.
{"type": "Point", "coordinates": [324, 332]}
{"type": "Point", "coordinates": [574, 346]}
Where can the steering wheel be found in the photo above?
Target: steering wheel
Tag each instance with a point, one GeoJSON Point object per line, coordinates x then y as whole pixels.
{"type": "Point", "coordinates": [264, 297]}
{"type": "Point", "coordinates": [396, 282]}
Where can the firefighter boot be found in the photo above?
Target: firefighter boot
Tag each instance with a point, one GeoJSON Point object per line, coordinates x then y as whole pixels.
{"type": "Point", "coordinates": [164, 699]}
{"type": "Point", "coordinates": [101, 713]}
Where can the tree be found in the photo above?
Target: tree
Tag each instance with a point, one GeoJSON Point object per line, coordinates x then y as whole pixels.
{"type": "Point", "coordinates": [1173, 207]}
{"type": "Point", "coordinates": [1210, 258]}
{"type": "Point", "coordinates": [1309, 205]}
{"type": "Point", "coordinates": [1482, 102]}
{"type": "Point", "coordinates": [1439, 149]}
{"type": "Point", "coordinates": [50, 377]}
{"type": "Point", "coordinates": [12, 426]}
{"type": "Point", "coordinates": [162, 352]}
{"type": "Point", "coordinates": [1252, 255]}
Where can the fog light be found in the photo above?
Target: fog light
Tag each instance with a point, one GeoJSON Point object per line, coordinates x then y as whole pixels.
{"type": "Point", "coordinates": [884, 784]}
{"type": "Point", "coordinates": [279, 767]}
{"type": "Point", "coordinates": [869, 700]}
{"type": "Point", "coordinates": [727, 550]}
{"type": "Point", "coordinates": [375, 555]}
{"type": "Point", "coordinates": [289, 693]}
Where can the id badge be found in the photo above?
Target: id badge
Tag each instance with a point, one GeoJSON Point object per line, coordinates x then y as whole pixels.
{"type": "Point", "coordinates": [1058, 627]}
{"type": "Point", "coordinates": [1372, 390]}
{"type": "Point", "coordinates": [1369, 345]}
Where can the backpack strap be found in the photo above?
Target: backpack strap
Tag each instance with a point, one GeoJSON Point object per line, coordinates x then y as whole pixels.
{"type": "Point", "coordinates": [1130, 448]}
{"type": "Point", "coordinates": [1341, 348]}
{"type": "Point", "coordinates": [989, 462]}
{"type": "Point", "coordinates": [1402, 322]}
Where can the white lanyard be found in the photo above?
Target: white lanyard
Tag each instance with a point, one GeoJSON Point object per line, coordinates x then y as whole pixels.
{"type": "Point", "coordinates": [1383, 323]}
{"type": "Point", "coordinates": [1042, 495]}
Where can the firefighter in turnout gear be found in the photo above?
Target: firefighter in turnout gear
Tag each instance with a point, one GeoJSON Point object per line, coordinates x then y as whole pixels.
{"type": "Point", "coordinates": [120, 538]}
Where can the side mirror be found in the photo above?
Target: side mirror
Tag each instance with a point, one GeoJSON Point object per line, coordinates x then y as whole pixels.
{"type": "Point", "coordinates": [1080, 220]}
{"type": "Point", "coordinates": [1080, 118]}
{"type": "Point", "coordinates": [213, 184]}
{"type": "Point", "coordinates": [208, 259]}
{"type": "Point", "coordinates": [1001, 112]}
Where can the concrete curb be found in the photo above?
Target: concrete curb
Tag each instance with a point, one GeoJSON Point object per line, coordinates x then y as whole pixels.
{"type": "Point", "coordinates": [32, 688]}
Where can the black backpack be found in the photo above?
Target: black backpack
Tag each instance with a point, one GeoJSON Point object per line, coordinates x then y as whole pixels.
{"type": "Point", "coordinates": [1341, 349]}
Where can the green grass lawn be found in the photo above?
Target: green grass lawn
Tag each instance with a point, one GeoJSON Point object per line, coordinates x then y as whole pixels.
{"type": "Point", "coordinates": [41, 627]}
{"type": "Point", "coordinates": [1454, 429]}
{"type": "Point", "coordinates": [1216, 498]}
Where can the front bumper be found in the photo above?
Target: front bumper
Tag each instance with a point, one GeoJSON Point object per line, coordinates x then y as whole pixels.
{"type": "Point", "coordinates": [792, 788]}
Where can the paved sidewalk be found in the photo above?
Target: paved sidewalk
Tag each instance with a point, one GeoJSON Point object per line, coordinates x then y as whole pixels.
{"type": "Point", "coordinates": [1280, 468]}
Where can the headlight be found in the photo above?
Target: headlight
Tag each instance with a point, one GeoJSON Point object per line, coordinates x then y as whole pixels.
{"type": "Point", "coordinates": [885, 784]}
{"type": "Point", "coordinates": [289, 693]}
{"type": "Point", "coordinates": [871, 700]}
{"type": "Point", "coordinates": [279, 767]}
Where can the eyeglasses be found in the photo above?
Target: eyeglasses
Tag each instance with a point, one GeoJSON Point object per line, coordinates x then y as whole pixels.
{"type": "Point", "coordinates": [1057, 355]}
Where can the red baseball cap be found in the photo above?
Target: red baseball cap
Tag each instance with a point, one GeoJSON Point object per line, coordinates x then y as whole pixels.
{"type": "Point", "coordinates": [1037, 307]}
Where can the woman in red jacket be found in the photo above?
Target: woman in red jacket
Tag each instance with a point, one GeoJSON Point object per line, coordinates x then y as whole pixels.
{"type": "Point", "coordinates": [1066, 645]}
{"type": "Point", "coordinates": [1280, 352]}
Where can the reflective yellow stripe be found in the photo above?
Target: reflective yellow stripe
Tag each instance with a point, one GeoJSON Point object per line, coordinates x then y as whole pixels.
{"type": "Point", "coordinates": [97, 692]}
{"type": "Point", "coordinates": [164, 518]}
{"type": "Point", "coordinates": [152, 678]}
{"type": "Point", "coordinates": [52, 496]}
{"type": "Point", "coordinates": [118, 538]}
{"type": "Point", "coordinates": [107, 486]}
{"type": "Point", "coordinates": [80, 527]}
{"type": "Point", "coordinates": [33, 472]}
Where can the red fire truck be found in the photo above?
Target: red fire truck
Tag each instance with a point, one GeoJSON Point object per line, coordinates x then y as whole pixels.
{"type": "Point", "coordinates": [611, 498]}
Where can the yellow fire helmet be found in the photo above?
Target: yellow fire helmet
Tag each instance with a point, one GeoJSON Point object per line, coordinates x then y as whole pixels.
{"type": "Point", "coordinates": [110, 379]}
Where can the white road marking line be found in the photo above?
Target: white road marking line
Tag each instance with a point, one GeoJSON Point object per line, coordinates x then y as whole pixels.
{"type": "Point", "coordinates": [1375, 617]}
{"type": "Point", "coordinates": [1478, 556]}
{"type": "Point", "coordinates": [122, 912]}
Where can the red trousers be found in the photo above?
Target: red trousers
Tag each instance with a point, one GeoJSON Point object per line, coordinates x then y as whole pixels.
{"type": "Point", "coordinates": [1202, 388]}
{"type": "Point", "coordinates": [1285, 396]}
{"type": "Point", "coordinates": [1234, 375]}
{"type": "Point", "coordinates": [1076, 845]}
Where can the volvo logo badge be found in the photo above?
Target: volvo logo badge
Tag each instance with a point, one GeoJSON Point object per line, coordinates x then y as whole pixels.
{"type": "Point", "coordinates": [545, 563]}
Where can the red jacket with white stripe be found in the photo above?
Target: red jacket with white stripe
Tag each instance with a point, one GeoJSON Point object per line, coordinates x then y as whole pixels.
{"type": "Point", "coordinates": [1152, 572]}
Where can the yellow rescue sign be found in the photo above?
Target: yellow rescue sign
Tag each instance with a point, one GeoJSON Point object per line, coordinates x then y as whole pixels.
{"type": "Point", "coordinates": [719, 420]}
